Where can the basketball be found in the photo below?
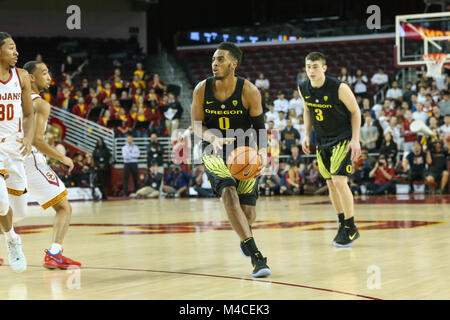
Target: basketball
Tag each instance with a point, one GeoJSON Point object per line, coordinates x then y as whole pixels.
{"type": "Point", "coordinates": [243, 163]}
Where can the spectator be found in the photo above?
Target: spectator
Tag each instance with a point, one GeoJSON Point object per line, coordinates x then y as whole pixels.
{"type": "Point", "coordinates": [130, 153]}
{"type": "Point", "coordinates": [281, 103]}
{"type": "Point", "coordinates": [157, 84]}
{"type": "Point", "coordinates": [68, 67]}
{"type": "Point", "coordinates": [296, 103]}
{"type": "Point", "coordinates": [135, 85]}
{"type": "Point", "coordinates": [77, 172]}
{"type": "Point", "coordinates": [295, 155]}
{"type": "Point", "coordinates": [408, 92]}
{"type": "Point", "coordinates": [271, 115]}
{"type": "Point", "coordinates": [360, 84]}
{"type": "Point", "coordinates": [172, 112]}
{"type": "Point", "coordinates": [444, 104]}
{"type": "Point", "coordinates": [437, 115]}
{"type": "Point", "coordinates": [414, 164]}
{"type": "Point", "coordinates": [102, 156]}
{"type": "Point", "coordinates": [389, 147]}
{"type": "Point", "coordinates": [127, 125]}
{"type": "Point", "coordinates": [395, 130]}
{"type": "Point", "coordinates": [421, 96]}
{"type": "Point", "coordinates": [438, 174]}
{"type": "Point", "coordinates": [289, 137]}
{"type": "Point", "coordinates": [140, 72]}
{"type": "Point", "coordinates": [103, 120]}
{"type": "Point", "coordinates": [383, 178]}
{"type": "Point", "coordinates": [369, 134]}
{"type": "Point", "coordinates": [152, 183]}
{"type": "Point", "coordinates": [293, 180]}
{"type": "Point", "coordinates": [63, 99]}
{"type": "Point", "coordinates": [301, 77]}
{"type": "Point", "coordinates": [345, 77]}
{"type": "Point", "coordinates": [141, 117]}
{"type": "Point", "coordinates": [395, 92]}
{"type": "Point", "coordinates": [409, 137]}
{"type": "Point", "coordinates": [81, 109]}
{"type": "Point", "coordinates": [366, 107]}
{"type": "Point", "coordinates": [379, 78]}
{"type": "Point", "coordinates": [280, 123]}
{"type": "Point", "coordinates": [269, 183]}
{"type": "Point", "coordinates": [357, 178]}
{"type": "Point", "coordinates": [155, 151]}
{"type": "Point", "coordinates": [265, 101]}
{"type": "Point", "coordinates": [444, 130]}
{"type": "Point", "coordinates": [262, 83]}
{"type": "Point", "coordinates": [420, 114]}
{"type": "Point", "coordinates": [177, 182]}
{"type": "Point", "coordinates": [202, 184]}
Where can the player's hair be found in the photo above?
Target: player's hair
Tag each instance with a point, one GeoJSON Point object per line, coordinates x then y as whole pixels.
{"type": "Point", "coordinates": [314, 56]}
{"type": "Point", "coordinates": [30, 66]}
{"type": "Point", "coordinates": [232, 49]}
{"type": "Point", "coordinates": [3, 36]}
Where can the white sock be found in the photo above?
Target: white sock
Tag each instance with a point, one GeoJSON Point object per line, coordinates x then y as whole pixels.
{"type": "Point", "coordinates": [55, 248]}
{"type": "Point", "coordinates": [11, 235]}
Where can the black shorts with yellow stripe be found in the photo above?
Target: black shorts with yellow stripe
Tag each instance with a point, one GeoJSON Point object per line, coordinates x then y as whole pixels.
{"type": "Point", "coordinates": [334, 160]}
{"type": "Point", "coordinates": [220, 177]}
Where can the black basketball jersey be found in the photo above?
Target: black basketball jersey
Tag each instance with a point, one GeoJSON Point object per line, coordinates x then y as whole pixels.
{"type": "Point", "coordinates": [329, 116]}
{"type": "Point", "coordinates": [227, 116]}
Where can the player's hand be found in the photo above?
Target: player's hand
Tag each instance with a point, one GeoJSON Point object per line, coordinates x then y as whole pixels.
{"type": "Point", "coordinates": [68, 162]}
{"type": "Point", "coordinates": [219, 142]}
{"type": "Point", "coordinates": [305, 145]}
{"type": "Point", "coordinates": [355, 146]}
{"type": "Point", "coordinates": [25, 149]}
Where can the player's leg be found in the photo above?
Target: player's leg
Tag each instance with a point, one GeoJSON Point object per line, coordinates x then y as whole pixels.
{"type": "Point", "coordinates": [223, 183]}
{"type": "Point", "coordinates": [340, 169]}
{"type": "Point", "coordinates": [15, 186]}
{"type": "Point", "coordinates": [248, 192]}
{"type": "Point", "coordinates": [323, 162]}
{"type": "Point", "coordinates": [49, 191]}
{"type": "Point", "coordinates": [444, 181]}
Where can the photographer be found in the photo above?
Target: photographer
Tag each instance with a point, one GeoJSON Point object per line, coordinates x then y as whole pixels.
{"type": "Point", "coordinates": [152, 183]}
{"type": "Point", "coordinates": [177, 182]}
{"type": "Point", "coordinates": [437, 160]}
{"type": "Point", "coordinates": [383, 178]}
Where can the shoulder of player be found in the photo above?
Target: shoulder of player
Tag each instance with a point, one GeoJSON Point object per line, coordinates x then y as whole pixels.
{"type": "Point", "coordinates": [22, 73]}
{"type": "Point", "coordinates": [200, 88]}
{"type": "Point", "coordinates": [41, 104]}
{"type": "Point", "coordinates": [249, 89]}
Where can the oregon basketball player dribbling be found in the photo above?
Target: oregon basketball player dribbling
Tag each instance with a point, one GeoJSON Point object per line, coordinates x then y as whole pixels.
{"type": "Point", "coordinates": [331, 108]}
{"type": "Point", "coordinates": [222, 105]}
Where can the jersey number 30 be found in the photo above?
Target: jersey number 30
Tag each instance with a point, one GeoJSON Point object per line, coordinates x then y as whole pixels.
{"type": "Point", "coordinates": [319, 114]}
{"type": "Point", "coordinates": [6, 113]}
{"type": "Point", "coordinates": [224, 123]}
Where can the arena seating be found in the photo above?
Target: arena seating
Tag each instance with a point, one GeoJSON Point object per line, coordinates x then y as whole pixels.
{"type": "Point", "coordinates": [281, 64]}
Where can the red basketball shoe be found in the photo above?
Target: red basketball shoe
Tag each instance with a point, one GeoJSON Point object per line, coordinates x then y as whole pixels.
{"type": "Point", "coordinates": [58, 261]}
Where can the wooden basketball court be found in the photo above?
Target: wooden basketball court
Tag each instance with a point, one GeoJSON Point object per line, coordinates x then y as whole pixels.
{"type": "Point", "coordinates": [185, 249]}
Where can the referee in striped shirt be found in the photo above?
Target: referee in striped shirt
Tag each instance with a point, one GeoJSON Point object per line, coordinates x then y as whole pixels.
{"type": "Point", "coordinates": [130, 153]}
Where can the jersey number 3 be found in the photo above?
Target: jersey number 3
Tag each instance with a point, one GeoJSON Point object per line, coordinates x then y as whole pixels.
{"type": "Point", "coordinates": [6, 113]}
{"type": "Point", "coordinates": [224, 123]}
{"type": "Point", "coordinates": [319, 114]}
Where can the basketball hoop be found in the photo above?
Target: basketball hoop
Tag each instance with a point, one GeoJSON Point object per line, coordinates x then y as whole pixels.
{"type": "Point", "coordinates": [434, 63]}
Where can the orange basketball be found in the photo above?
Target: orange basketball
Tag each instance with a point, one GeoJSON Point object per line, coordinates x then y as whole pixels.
{"type": "Point", "coordinates": [243, 163]}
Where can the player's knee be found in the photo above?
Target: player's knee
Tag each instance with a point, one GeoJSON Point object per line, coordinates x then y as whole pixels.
{"type": "Point", "coordinates": [63, 207]}
{"type": "Point", "coordinates": [339, 182]}
{"type": "Point", "coordinates": [230, 196]}
{"type": "Point", "coordinates": [4, 206]}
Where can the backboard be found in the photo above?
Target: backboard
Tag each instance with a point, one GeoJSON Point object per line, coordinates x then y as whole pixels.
{"type": "Point", "coordinates": [419, 34]}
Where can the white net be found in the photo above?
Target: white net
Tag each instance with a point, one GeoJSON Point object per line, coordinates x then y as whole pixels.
{"type": "Point", "coordinates": [434, 63]}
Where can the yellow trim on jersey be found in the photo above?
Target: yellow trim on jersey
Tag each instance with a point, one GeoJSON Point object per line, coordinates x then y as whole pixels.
{"type": "Point", "coordinates": [245, 187]}
{"type": "Point", "coordinates": [55, 200]}
{"type": "Point", "coordinates": [338, 155]}
{"type": "Point", "coordinates": [217, 166]}
{"type": "Point", "coordinates": [14, 192]}
{"type": "Point", "coordinates": [323, 171]}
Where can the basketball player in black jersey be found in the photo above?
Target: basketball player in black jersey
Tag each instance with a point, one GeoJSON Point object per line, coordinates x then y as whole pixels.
{"type": "Point", "coordinates": [331, 108]}
{"type": "Point", "coordinates": [222, 105]}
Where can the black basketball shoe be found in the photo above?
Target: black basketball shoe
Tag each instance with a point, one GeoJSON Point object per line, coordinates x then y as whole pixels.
{"type": "Point", "coordinates": [260, 267]}
{"type": "Point", "coordinates": [345, 239]}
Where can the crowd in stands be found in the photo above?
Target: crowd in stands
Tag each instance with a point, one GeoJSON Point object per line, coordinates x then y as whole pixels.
{"type": "Point", "coordinates": [137, 105]}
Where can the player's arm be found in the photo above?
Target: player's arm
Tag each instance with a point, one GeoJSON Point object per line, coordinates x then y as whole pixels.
{"type": "Point", "coordinates": [42, 112]}
{"type": "Point", "coordinates": [27, 111]}
{"type": "Point", "coordinates": [307, 124]}
{"type": "Point", "coordinates": [251, 97]}
{"type": "Point", "coordinates": [348, 98]}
